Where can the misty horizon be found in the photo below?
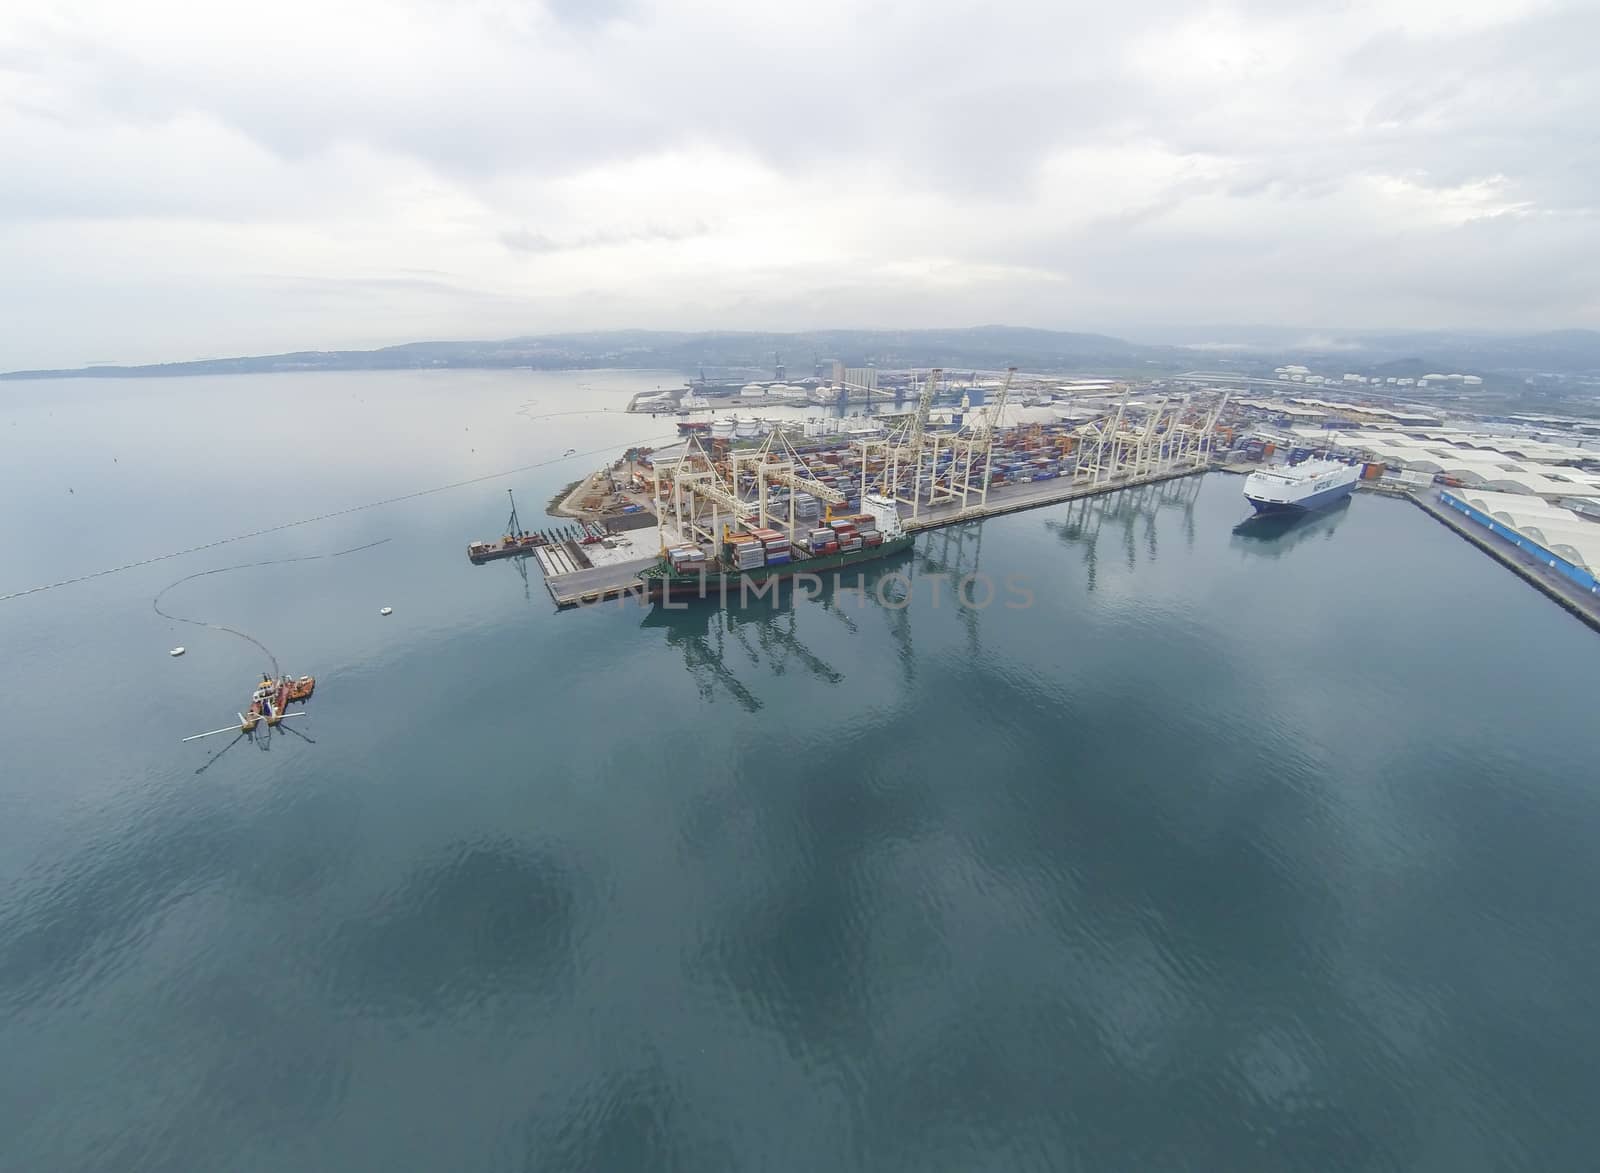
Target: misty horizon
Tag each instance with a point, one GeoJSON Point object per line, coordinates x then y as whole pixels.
{"type": "Point", "coordinates": [1254, 338]}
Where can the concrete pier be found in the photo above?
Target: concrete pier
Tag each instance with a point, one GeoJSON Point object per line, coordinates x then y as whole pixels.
{"type": "Point", "coordinates": [595, 583]}
{"type": "Point", "coordinates": [1033, 495]}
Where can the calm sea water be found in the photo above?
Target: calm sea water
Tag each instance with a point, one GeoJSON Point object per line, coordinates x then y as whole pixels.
{"type": "Point", "coordinates": [1234, 850]}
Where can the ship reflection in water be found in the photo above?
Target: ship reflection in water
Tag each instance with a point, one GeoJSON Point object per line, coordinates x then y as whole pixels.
{"type": "Point", "coordinates": [1273, 534]}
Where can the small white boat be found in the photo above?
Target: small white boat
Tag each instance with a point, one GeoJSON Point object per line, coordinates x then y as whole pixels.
{"type": "Point", "coordinates": [177, 651]}
{"type": "Point", "coordinates": [386, 611]}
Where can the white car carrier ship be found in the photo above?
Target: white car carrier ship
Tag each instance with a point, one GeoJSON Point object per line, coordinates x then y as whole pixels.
{"type": "Point", "coordinates": [1295, 488]}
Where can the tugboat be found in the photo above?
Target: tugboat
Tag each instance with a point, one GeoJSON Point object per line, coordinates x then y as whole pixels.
{"type": "Point", "coordinates": [272, 698]}
{"type": "Point", "coordinates": [516, 543]}
{"type": "Point", "coordinates": [269, 703]}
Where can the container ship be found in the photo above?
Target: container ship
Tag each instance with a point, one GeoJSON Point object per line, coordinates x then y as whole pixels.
{"type": "Point", "coordinates": [1296, 488]}
{"type": "Point", "coordinates": [757, 556]}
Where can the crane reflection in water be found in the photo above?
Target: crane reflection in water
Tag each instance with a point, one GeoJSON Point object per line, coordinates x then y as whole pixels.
{"type": "Point", "coordinates": [1126, 513]}
{"type": "Point", "coordinates": [765, 631]}
{"type": "Point", "coordinates": [715, 641]}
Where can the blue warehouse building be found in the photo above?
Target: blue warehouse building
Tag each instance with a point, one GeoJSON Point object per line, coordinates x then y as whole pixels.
{"type": "Point", "coordinates": [1560, 537]}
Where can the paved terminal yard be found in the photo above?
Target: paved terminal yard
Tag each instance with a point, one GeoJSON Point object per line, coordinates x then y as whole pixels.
{"type": "Point", "coordinates": [598, 582]}
{"type": "Point", "coordinates": [580, 585]}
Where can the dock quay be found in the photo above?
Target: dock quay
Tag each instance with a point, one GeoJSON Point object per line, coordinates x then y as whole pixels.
{"type": "Point", "coordinates": [596, 582]}
{"type": "Point", "coordinates": [1572, 598]}
{"type": "Point", "coordinates": [1036, 495]}
{"type": "Point", "coordinates": [784, 503]}
{"type": "Point", "coordinates": [569, 588]}
{"type": "Point", "coordinates": [554, 560]}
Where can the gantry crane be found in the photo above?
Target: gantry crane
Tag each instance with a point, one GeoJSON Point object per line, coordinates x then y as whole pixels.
{"type": "Point", "coordinates": [783, 469]}
{"type": "Point", "coordinates": [695, 483]}
{"type": "Point", "coordinates": [903, 455]}
{"type": "Point", "coordinates": [974, 449]}
{"type": "Point", "coordinates": [1100, 453]}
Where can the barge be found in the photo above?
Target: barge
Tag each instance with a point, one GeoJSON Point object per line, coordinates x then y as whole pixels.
{"type": "Point", "coordinates": [516, 542]}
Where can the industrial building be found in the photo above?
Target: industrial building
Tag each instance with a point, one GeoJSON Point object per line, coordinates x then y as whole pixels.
{"type": "Point", "coordinates": [1405, 416]}
{"type": "Point", "coordinates": [1532, 468]}
{"type": "Point", "coordinates": [1561, 538]}
{"type": "Point", "coordinates": [1285, 410]}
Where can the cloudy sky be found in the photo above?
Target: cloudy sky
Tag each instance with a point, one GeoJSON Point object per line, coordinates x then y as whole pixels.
{"type": "Point", "coordinates": [182, 180]}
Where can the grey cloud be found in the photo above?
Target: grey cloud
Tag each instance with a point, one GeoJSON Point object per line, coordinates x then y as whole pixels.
{"type": "Point", "coordinates": [521, 240]}
{"type": "Point", "coordinates": [440, 142]}
{"type": "Point", "coordinates": [588, 13]}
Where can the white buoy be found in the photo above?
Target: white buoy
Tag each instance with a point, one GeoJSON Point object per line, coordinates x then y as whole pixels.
{"type": "Point", "coordinates": [386, 611]}
{"type": "Point", "coordinates": [176, 652]}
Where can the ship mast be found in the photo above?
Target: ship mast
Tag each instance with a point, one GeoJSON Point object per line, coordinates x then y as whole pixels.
{"type": "Point", "coordinates": [515, 526]}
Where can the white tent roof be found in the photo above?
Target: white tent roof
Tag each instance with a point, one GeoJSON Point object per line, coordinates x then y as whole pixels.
{"type": "Point", "coordinates": [1472, 466]}
{"type": "Point", "coordinates": [1517, 447]}
{"type": "Point", "coordinates": [1561, 531]}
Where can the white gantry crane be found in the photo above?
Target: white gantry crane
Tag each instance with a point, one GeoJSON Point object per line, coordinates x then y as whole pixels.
{"type": "Point", "coordinates": [1208, 432]}
{"type": "Point", "coordinates": [1192, 435]}
{"type": "Point", "coordinates": [907, 458]}
{"type": "Point", "coordinates": [696, 491]}
{"type": "Point", "coordinates": [912, 471]}
{"type": "Point", "coordinates": [780, 468]}
{"type": "Point", "coordinates": [974, 450]}
{"type": "Point", "coordinates": [1100, 446]}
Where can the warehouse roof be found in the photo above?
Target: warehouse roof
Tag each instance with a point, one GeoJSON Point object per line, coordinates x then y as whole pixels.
{"type": "Point", "coordinates": [1521, 447]}
{"type": "Point", "coordinates": [1371, 410]}
{"type": "Point", "coordinates": [1477, 467]}
{"type": "Point", "coordinates": [1288, 409]}
{"type": "Point", "coordinates": [1561, 531]}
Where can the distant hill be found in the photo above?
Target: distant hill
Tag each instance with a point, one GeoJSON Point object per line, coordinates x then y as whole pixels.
{"type": "Point", "coordinates": [740, 354]}
{"type": "Point", "coordinates": [1414, 352]}
{"type": "Point", "coordinates": [1560, 351]}
{"type": "Point", "coordinates": [986, 347]}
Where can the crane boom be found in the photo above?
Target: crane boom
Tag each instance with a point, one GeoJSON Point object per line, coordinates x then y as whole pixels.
{"type": "Point", "coordinates": [713, 492]}
{"type": "Point", "coordinates": [991, 419]}
{"type": "Point", "coordinates": [919, 423]}
{"type": "Point", "coordinates": [802, 484]}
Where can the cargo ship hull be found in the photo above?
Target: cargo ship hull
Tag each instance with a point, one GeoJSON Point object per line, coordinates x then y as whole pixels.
{"type": "Point", "coordinates": [715, 583]}
{"type": "Point", "coordinates": [1317, 500]}
{"type": "Point", "coordinates": [1301, 488]}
